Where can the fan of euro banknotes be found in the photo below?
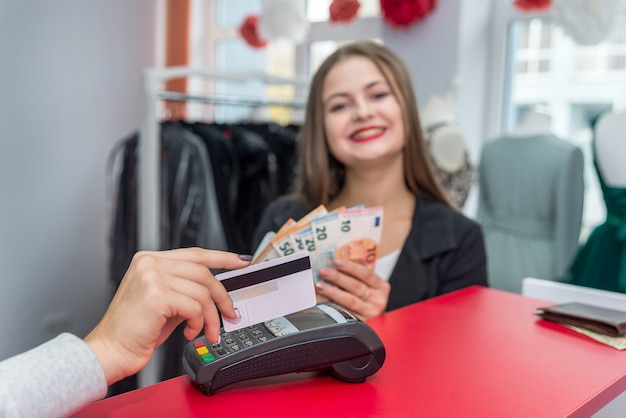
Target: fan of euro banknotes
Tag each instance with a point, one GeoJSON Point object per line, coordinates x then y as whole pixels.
{"type": "Point", "coordinates": [349, 233]}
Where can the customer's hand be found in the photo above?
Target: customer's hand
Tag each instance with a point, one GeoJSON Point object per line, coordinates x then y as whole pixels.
{"type": "Point", "coordinates": [356, 287]}
{"type": "Point", "coordinates": [160, 290]}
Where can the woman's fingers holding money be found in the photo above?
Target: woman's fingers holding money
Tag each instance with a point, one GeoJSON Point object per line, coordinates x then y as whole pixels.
{"type": "Point", "coordinates": [355, 287]}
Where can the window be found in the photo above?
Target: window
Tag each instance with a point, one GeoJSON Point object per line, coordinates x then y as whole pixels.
{"type": "Point", "coordinates": [573, 83]}
{"type": "Point", "coordinates": [216, 44]}
{"type": "Point", "coordinates": [532, 46]}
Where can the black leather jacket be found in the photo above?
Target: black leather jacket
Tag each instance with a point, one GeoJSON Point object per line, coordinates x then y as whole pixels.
{"type": "Point", "coordinates": [443, 252]}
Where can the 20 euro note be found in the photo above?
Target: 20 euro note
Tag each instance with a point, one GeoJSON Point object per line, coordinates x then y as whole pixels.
{"type": "Point", "coordinates": [325, 233]}
{"type": "Point", "coordinates": [360, 235]}
{"type": "Point", "coordinates": [304, 238]}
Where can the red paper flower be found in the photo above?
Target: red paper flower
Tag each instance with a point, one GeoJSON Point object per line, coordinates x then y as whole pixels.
{"type": "Point", "coordinates": [531, 5]}
{"type": "Point", "coordinates": [402, 13]}
{"type": "Point", "coordinates": [249, 31]}
{"type": "Point", "coordinates": [343, 10]}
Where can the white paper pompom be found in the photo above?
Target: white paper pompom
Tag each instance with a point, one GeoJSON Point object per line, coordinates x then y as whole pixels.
{"type": "Point", "coordinates": [283, 19]}
{"type": "Point", "coordinates": [587, 22]}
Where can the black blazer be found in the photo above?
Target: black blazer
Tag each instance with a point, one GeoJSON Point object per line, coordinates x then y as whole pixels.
{"type": "Point", "coordinates": [444, 250]}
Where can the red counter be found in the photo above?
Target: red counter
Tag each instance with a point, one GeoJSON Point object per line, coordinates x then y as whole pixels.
{"type": "Point", "coordinates": [474, 352]}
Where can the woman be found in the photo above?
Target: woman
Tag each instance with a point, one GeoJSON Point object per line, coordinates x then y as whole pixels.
{"type": "Point", "coordinates": [362, 144]}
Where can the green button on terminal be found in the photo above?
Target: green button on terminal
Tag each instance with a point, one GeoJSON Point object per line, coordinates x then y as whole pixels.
{"type": "Point", "coordinates": [207, 358]}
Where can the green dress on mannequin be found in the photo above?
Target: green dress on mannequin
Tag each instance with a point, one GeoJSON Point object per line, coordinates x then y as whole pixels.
{"type": "Point", "coordinates": [601, 261]}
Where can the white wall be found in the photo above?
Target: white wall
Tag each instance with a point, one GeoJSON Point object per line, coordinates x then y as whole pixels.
{"type": "Point", "coordinates": [452, 47]}
{"type": "Point", "coordinates": [70, 74]}
{"type": "Point", "coordinates": [429, 49]}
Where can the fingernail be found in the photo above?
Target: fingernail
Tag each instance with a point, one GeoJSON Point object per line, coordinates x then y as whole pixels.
{"type": "Point", "coordinates": [320, 286]}
{"type": "Point", "coordinates": [324, 271]}
{"type": "Point", "coordinates": [237, 313]}
{"type": "Point", "coordinates": [340, 263]}
{"type": "Point", "coordinates": [245, 257]}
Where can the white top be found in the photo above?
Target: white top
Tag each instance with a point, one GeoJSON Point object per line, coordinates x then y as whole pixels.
{"type": "Point", "coordinates": [54, 379]}
{"type": "Point", "coordinates": [385, 265]}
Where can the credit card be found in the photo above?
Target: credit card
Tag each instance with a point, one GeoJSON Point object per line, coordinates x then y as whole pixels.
{"type": "Point", "coordinates": [268, 290]}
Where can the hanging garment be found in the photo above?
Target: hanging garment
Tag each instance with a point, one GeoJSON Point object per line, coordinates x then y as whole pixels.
{"type": "Point", "coordinates": [265, 159]}
{"type": "Point", "coordinates": [530, 204]}
{"type": "Point", "coordinates": [283, 142]}
{"type": "Point", "coordinates": [194, 210]}
{"type": "Point", "coordinates": [189, 212]}
{"type": "Point", "coordinates": [254, 163]}
{"type": "Point", "coordinates": [225, 175]}
{"type": "Point", "coordinates": [601, 261]}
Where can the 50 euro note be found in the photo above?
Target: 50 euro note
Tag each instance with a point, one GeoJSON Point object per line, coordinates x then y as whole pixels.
{"type": "Point", "coordinates": [266, 251]}
{"type": "Point", "coordinates": [360, 232]}
{"type": "Point", "coordinates": [279, 244]}
{"type": "Point", "coordinates": [287, 245]}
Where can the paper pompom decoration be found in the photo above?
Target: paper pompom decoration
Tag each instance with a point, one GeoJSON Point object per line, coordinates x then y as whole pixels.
{"type": "Point", "coordinates": [402, 13]}
{"type": "Point", "coordinates": [283, 19]}
{"type": "Point", "coordinates": [343, 11]}
{"type": "Point", "coordinates": [532, 5]}
{"type": "Point", "coordinates": [588, 22]}
{"type": "Point", "coordinates": [249, 31]}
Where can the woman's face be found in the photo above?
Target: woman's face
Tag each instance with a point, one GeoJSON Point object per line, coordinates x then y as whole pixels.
{"type": "Point", "coordinates": [362, 117]}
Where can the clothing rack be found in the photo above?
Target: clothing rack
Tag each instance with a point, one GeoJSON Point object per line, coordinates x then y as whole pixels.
{"type": "Point", "coordinates": [149, 144]}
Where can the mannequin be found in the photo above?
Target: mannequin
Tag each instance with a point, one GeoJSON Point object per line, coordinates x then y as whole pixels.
{"type": "Point", "coordinates": [533, 122]}
{"type": "Point", "coordinates": [447, 149]}
{"type": "Point", "coordinates": [610, 148]}
{"type": "Point", "coordinates": [601, 261]}
{"type": "Point", "coordinates": [530, 203]}
{"type": "Point", "coordinates": [438, 110]}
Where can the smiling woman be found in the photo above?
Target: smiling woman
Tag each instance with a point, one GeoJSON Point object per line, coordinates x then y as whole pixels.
{"type": "Point", "coordinates": [362, 144]}
{"type": "Point", "coordinates": [360, 108]}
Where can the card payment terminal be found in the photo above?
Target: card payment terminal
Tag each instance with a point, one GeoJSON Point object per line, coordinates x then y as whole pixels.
{"type": "Point", "coordinates": [324, 337]}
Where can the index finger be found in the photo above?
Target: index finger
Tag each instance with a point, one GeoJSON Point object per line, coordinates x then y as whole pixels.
{"type": "Point", "coordinates": [212, 259]}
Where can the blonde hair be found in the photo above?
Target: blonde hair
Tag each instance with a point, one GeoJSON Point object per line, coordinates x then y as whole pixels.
{"type": "Point", "coordinates": [320, 174]}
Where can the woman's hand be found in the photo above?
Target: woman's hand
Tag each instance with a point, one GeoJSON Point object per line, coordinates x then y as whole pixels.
{"type": "Point", "coordinates": [356, 287]}
{"type": "Point", "coordinates": [160, 290]}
